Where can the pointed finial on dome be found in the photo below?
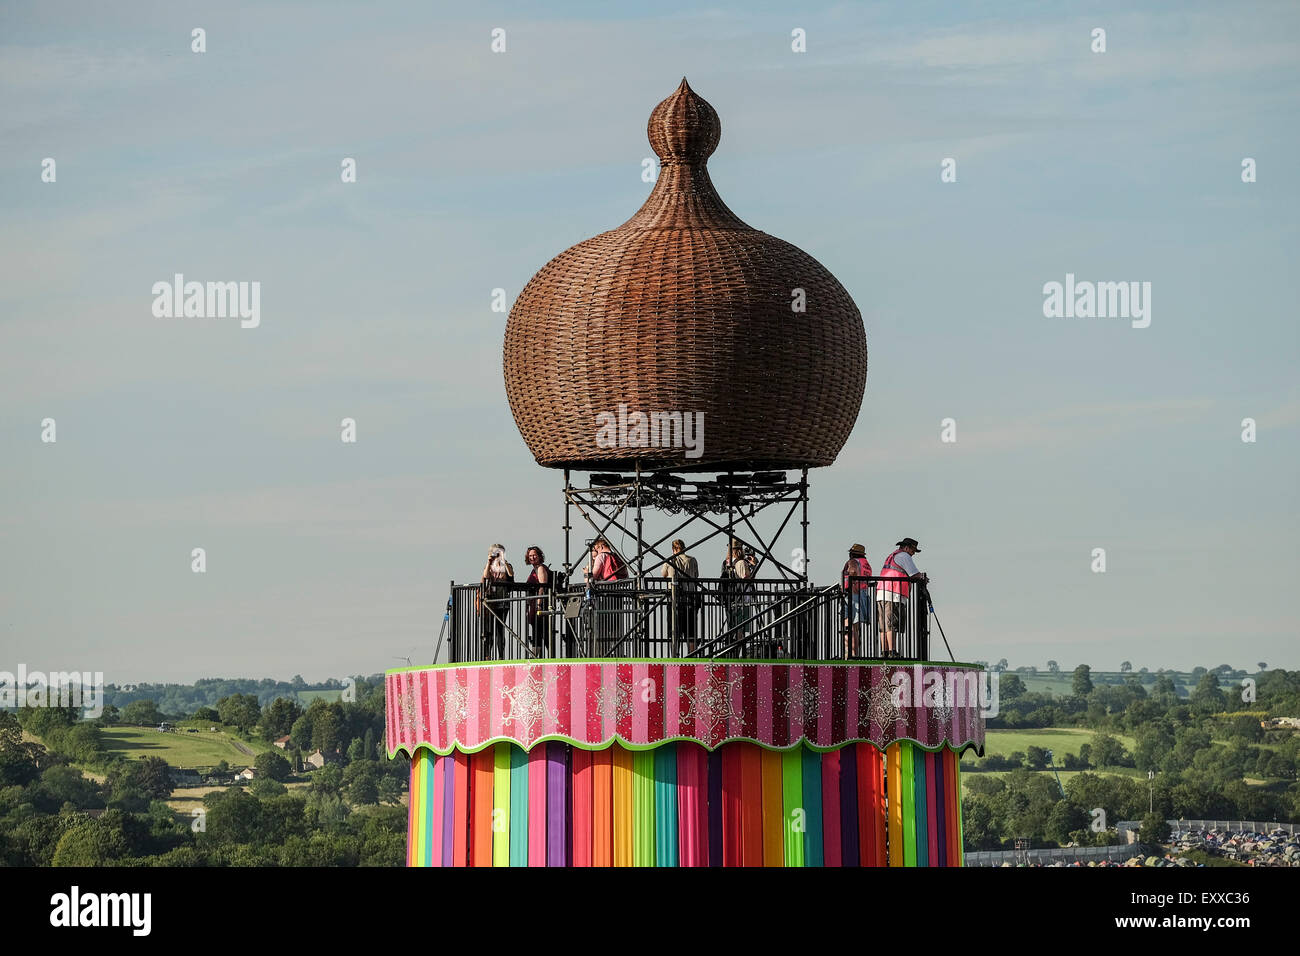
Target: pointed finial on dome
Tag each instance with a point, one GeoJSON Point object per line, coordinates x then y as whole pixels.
{"type": "Point", "coordinates": [684, 128]}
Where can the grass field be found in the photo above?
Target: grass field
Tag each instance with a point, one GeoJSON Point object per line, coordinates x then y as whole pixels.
{"type": "Point", "coordinates": [305, 697]}
{"type": "Point", "coordinates": [180, 749]}
{"type": "Point", "coordinates": [1059, 740]}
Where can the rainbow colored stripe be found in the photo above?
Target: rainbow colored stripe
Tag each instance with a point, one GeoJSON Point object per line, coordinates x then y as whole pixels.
{"type": "Point", "coordinates": [682, 805]}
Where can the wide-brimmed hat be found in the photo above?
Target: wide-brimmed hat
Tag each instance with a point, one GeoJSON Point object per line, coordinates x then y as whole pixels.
{"type": "Point", "coordinates": [857, 551]}
{"type": "Point", "coordinates": [908, 543]}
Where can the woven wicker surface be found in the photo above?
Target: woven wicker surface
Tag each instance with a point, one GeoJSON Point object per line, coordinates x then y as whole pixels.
{"type": "Point", "coordinates": [684, 308]}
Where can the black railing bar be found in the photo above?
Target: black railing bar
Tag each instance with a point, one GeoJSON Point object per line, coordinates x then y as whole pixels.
{"type": "Point", "coordinates": [814, 599]}
{"type": "Point", "coordinates": [632, 630]}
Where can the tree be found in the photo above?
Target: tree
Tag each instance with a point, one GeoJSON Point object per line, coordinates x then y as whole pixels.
{"type": "Point", "coordinates": [372, 752]}
{"type": "Point", "coordinates": [1064, 819]}
{"type": "Point", "coordinates": [20, 760]}
{"type": "Point", "coordinates": [1154, 829]}
{"type": "Point", "coordinates": [1001, 665]}
{"type": "Point", "coordinates": [207, 715]}
{"type": "Point", "coordinates": [1082, 683]}
{"type": "Point", "coordinates": [362, 780]}
{"type": "Point", "coordinates": [390, 790]}
{"type": "Point", "coordinates": [1243, 725]}
{"type": "Point", "coordinates": [91, 843]}
{"type": "Point", "coordinates": [154, 778]}
{"type": "Point", "coordinates": [272, 766]}
{"type": "Point", "coordinates": [1106, 751]}
{"type": "Point", "coordinates": [327, 726]}
{"type": "Point", "coordinates": [65, 785]}
{"type": "Point", "coordinates": [264, 788]}
{"type": "Point", "coordinates": [110, 716]}
{"type": "Point", "coordinates": [1154, 743]}
{"type": "Point", "coordinates": [239, 710]}
{"type": "Point", "coordinates": [1010, 687]}
{"type": "Point", "coordinates": [328, 780]}
{"type": "Point", "coordinates": [1054, 667]}
{"type": "Point", "coordinates": [300, 733]}
{"type": "Point", "coordinates": [83, 743]}
{"type": "Point", "coordinates": [1207, 697]}
{"type": "Point", "coordinates": [234, 816]}
{"type": "Point", "coordinates": [1262, 666]}
{"type": "Point", "coordinates": [141, 713]}
{"type": "Point", "coordinates": [1125, 667]}
{"type": "Point", "coordinates": [1035, 758]}
{"type": "Point", "coordinates": [278, 718]}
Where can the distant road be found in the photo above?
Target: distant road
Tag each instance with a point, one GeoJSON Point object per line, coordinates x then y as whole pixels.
{"type": "Point", "coordinates": [242, 747]}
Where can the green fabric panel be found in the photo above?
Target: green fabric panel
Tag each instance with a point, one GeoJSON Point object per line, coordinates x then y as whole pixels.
{"type": "Point", "coordinates": [518, 806]}
{"type": "Point", "coordinates": [643, 808]}
{"type": "Point", "coordinates": [812, 794]}
{"type": "Point", "coordinates": [796, 814]}
{"type": "Point", "coordinates": [665, 806]}
{"type": "Point", "coordinates": [907, 771]}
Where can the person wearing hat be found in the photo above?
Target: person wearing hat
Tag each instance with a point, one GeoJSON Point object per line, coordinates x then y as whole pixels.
{"type": "Point", "coordinates": [892, 595]}
{"type": "Point", "coordinates": [858, 595]}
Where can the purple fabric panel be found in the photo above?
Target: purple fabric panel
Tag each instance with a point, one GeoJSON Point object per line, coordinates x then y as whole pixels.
{"type": "Point", "coordinates": [557, 823]}
{"type": "Point", "coordinates": [849, 846]}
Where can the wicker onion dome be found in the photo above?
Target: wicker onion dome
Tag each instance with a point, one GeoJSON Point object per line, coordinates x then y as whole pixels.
{"type": "Point", "coordinates": [685, 308]}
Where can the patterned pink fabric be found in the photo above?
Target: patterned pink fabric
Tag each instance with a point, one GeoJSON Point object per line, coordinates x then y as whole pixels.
{"type": "Point", "coordinates": [642, 702]}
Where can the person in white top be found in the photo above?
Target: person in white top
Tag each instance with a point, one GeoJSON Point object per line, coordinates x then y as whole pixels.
{"type": "Point", "coordinates": [892, 596]}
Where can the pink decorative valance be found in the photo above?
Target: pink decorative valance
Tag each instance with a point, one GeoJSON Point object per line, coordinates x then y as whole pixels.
{"type": "Point", "coordinates": [645, 703]}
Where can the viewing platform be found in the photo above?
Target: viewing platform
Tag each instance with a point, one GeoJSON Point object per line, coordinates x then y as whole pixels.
{"type": "Point", "coordinates": [618, 716]}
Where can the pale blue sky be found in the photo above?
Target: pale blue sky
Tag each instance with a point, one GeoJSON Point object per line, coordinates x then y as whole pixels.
{"type": "Point", "coordinates": [328, 559]}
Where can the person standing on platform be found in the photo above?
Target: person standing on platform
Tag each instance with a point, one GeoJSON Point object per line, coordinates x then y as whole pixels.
{"type": "Point", "coordinates": [858, 595]}
{"type": "Point", "coordinates": [895, 596]}
{"type": "Point", "coordinates": [494, 589]}
{"type": "Point", "coordinates": [684, 571]}
{"type": "Point", "coordinates": [737, 569]}
{"type": "Point", "coordinates": [540, 588]}
{"type": "Point", "coordinates": [605, 567]}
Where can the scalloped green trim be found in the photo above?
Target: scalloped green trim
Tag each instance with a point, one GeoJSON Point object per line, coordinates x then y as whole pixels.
{"type": "Point", "coordinates": [616, 739]}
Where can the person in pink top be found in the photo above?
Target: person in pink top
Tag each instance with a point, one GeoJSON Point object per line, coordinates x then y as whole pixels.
{"type": "Point", "coordinates": [893, 596]}
{"type": "Point", "coordinates": [605, 567]}
{"type": "Point", "coordinates": [858, 594]}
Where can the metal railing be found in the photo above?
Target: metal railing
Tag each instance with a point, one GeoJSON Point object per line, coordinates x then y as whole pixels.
{"type": "Point", "coordinates": [701, 619]}
{"type": "Point", "coordinates": [1050, 855]}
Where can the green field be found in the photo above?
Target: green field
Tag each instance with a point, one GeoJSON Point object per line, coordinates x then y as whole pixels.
{"type": "Point", "coordinates": [305, 697]}
{"type": "Point", "coordinates": [1059, 740]}
{"type": "Point", "coordinates": [1062, 684]}
{"type": "Point", "coordinates": [180, 749]}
